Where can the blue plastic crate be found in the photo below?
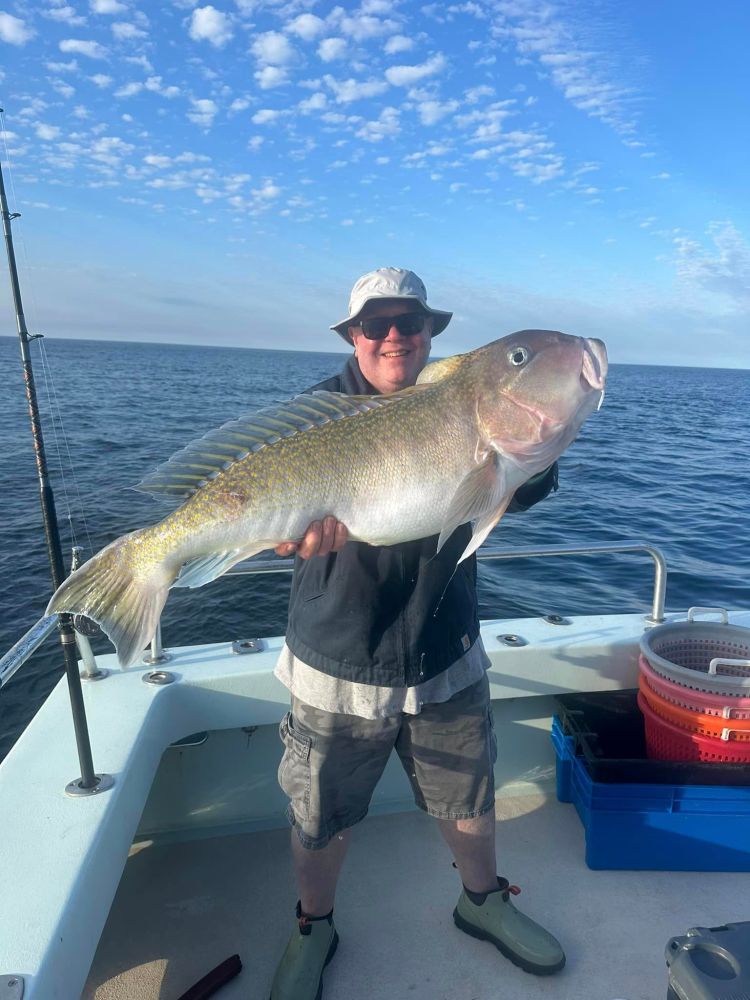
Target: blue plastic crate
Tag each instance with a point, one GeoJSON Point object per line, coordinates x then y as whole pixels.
{"type": "Point", "coordinates": [654, 826]}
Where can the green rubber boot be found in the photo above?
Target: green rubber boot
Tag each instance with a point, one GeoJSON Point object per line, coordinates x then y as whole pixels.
{"type": "Point", "coordinates": [299, 974]}
{"type": "Point", "coordinates": [519, 938]}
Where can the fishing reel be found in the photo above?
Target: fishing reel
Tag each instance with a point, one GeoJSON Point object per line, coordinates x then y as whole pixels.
{"type": "Point", "coordinates": [86, 626]}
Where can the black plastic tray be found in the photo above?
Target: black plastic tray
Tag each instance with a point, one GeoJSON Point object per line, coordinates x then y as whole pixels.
{"type": "Point", "coordinates": [607, 727]}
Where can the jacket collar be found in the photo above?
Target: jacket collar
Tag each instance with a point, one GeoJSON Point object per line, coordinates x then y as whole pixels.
{"type": "Point", "coordinates": [353, 382]}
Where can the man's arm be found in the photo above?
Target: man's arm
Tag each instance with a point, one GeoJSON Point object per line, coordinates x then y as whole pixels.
{"type": "Point", "coordinates": [534, 490]}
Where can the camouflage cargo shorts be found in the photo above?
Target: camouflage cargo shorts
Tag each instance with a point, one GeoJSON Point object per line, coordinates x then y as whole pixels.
{"type": "Point", "coordinates": [332, 762]}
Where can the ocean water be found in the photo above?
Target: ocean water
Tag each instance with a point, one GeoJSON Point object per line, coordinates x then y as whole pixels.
{"type": "Point", "coordinates": [664, 461]}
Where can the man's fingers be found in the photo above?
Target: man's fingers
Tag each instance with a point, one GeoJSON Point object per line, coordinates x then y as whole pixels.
{"type": "Point", "coordinates": [310, 544]}
{"type": "Point", "coordinates": [341, 537]}
{"type": "Point", "coordinates": [286, 549]}
{"type": "Point", "coordinates": [328, 536]}
{"type": "Point", "coordinates": [321, 538]}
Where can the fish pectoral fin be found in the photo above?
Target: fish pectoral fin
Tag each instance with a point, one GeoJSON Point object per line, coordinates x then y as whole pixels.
{"type": "Point", "coordinates": [204, 569]}
{"type": "Point", "coordinates": [481, 496]}
{"type": "Point", "coordinates": [483, 526]}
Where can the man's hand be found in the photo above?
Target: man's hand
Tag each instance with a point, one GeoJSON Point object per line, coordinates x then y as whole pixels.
{"type": "Point", "coordinates": [321, 538]}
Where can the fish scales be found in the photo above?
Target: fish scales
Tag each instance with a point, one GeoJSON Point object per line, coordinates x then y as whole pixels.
{"type": "Point", "coordinates": [364, 469]}
{"type": "Point", "coordinates": [451, 450]}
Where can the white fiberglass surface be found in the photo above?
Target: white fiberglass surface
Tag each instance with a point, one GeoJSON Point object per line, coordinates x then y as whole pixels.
{"type": "Point", "coordinates": [183, 908]}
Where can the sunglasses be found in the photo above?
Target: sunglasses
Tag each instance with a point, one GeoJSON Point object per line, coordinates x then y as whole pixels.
{"type": "Point", "coordinates": [379, 327]}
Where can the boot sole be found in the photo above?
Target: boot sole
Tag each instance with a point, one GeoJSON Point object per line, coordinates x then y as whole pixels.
{"type": "Point", "coordinates": [522, 963]}
{"type": "Point", "coordinates": [329, 956]}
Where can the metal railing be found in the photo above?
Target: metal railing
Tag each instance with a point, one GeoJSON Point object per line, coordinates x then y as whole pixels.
{"type": "Point", "coordinates": [36, 635]}
{"type": "Point", "coordinates": [251, 566]}
{"type": "Point", "coordinates": [14, 659]}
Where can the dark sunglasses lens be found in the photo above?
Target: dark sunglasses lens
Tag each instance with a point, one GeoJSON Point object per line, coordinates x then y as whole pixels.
{"type": "Point", "coordinates": [379, 327]}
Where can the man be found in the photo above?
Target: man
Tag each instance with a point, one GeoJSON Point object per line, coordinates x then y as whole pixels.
{"type": "Point", "coordinates": [383, 651]}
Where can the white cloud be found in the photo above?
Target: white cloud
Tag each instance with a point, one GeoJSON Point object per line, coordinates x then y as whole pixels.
{"type": "Point", "coordinates": [350, 90]}
{"type": "Point", "coordinates": [385, 126]}
{"type": "Point", "coordinates": [332, 48]}
{"type": "Point", "coordinates": [158, 161]}
{"type": "Point", "coordinates": [268, 191]}
{"type": "Point", "coordinates": [725, 272]}
{"type": "Point", "coordinates": [399, 43]}
{"type": "Point", "coordinates": [154, 84]}
{"type": "Point", "coordinates": [129, 89]}
{"type": "Point", "coordinates": [474, 94]}
{"type": "Point", "coordinates": [307, 26]}
{"type": "Point", "coordinates": [405, 76]}
{"type": "Point", "coordinates": [188, 157]}
{"type": "Point", "coordinates": [265, 116]}
{"type": "Point", "coordinates": [83, 48]}
{"type": "Point", "coordinates": [66, 14]}
{"type": "Point", "coordinates": [110, 150]}
{"type": "Point", "coordinates": [107, 6]}
{"type": "Point", "coordinates": [47, 132]}
{"type": "Point", "coordinates": [141, 61]}
{"type": "Point", "coordinates": [14, 30]}
{"type": "Point", "coordinates": [125, 31]}
{"type": "Point", "coordinates": [584, 77]}
{"type": "Point", "coordinates": [273, 49]}
{"type": "Point", "coordinates": [62, 88]}
{"type": "Point", "coordinates": [210, 25]}
{"type": "Point", "coordinates": [271, 76]}
{"type": "Point", "coordinates": [58, 67]}
{"type": "Point", "coordinates": [316, 102]}
{"type": "Point", "coordinates": [203, 113]}
{"type": "Point", "coordinates": [361, 27]}
{"type": "Point", "coordinates": [101, 80]}
{"type": "Point", "coordinates": [432, 111]}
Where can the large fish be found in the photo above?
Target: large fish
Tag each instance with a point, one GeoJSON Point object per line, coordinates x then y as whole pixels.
{"type": "Point", "coordinates": [419, 462]}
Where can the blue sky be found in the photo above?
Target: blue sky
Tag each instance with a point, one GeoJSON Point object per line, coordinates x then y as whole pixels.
{"type": "Point", "coordinates": [221, 174]}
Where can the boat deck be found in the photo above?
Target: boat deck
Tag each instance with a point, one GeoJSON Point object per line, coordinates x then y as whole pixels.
{"type": "Point", "coordinates": [183, 907]}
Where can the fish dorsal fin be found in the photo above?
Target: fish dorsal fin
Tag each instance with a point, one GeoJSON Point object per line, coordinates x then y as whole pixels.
{"type": "Point", "coordinates": [207, 457]}
{"type": "Point", "coordinates": [438, 370]}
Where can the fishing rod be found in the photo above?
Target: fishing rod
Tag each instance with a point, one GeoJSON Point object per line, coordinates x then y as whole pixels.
{"type": "Point", "coordinates": [89, 781]}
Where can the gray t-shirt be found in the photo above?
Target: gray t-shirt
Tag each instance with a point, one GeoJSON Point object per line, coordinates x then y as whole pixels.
{"type": "Point", "coordinates": [331, 694]}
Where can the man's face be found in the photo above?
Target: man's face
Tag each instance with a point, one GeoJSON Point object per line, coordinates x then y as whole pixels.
{"type": "Point", "coordinates": [395, 362]}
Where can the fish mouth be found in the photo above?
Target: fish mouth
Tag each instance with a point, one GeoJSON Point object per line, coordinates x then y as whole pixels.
{"type": "Point", "coordinates": [594, 364]}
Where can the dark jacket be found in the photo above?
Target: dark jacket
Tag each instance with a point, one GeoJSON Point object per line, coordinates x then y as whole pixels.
{"type": "Point", "coordinates": [394, 615]}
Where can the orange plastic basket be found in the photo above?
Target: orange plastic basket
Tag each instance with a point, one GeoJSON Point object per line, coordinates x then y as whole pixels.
{"type": "Point", "coordinates": [665, 741]}
{"type": "Point", "coordinates": [694, 722]}
{"type": "Point", "coordinates": [721, 706]}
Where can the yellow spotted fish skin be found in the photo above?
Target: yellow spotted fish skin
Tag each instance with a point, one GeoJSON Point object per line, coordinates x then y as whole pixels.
{"type": "Point", "coordinates": [416, 463]}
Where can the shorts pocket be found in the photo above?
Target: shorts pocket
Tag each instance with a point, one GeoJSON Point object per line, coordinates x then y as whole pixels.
{"type": "Point", "coordinates": [294, 775]}
{"type": "Point", "coordinates": [491, 734]}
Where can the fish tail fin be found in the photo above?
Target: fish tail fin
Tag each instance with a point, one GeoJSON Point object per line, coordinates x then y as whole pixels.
{"type": "Point", "coordinates": [123, 589]}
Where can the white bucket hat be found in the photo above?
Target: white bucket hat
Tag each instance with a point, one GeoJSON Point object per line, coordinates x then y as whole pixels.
{"type": "Point", "coordinates": [389, 283]}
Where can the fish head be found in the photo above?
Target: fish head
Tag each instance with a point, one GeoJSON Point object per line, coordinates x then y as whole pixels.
{"type": "Point", "coordinates": [536, 388]}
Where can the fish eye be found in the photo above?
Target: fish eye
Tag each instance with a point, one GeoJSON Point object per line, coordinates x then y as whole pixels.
{"type": "Point", "coordinates": [518, 356]}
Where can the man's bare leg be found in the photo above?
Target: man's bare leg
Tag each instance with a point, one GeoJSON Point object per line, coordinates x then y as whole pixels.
{"type": "Point", "coordinates": [318, 872]}
{"type": "Point", "coordinates": [473, 844]}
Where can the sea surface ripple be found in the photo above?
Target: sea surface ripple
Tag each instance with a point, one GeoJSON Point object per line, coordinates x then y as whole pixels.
{"type": "Point", "coordinates": [665, 461]}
